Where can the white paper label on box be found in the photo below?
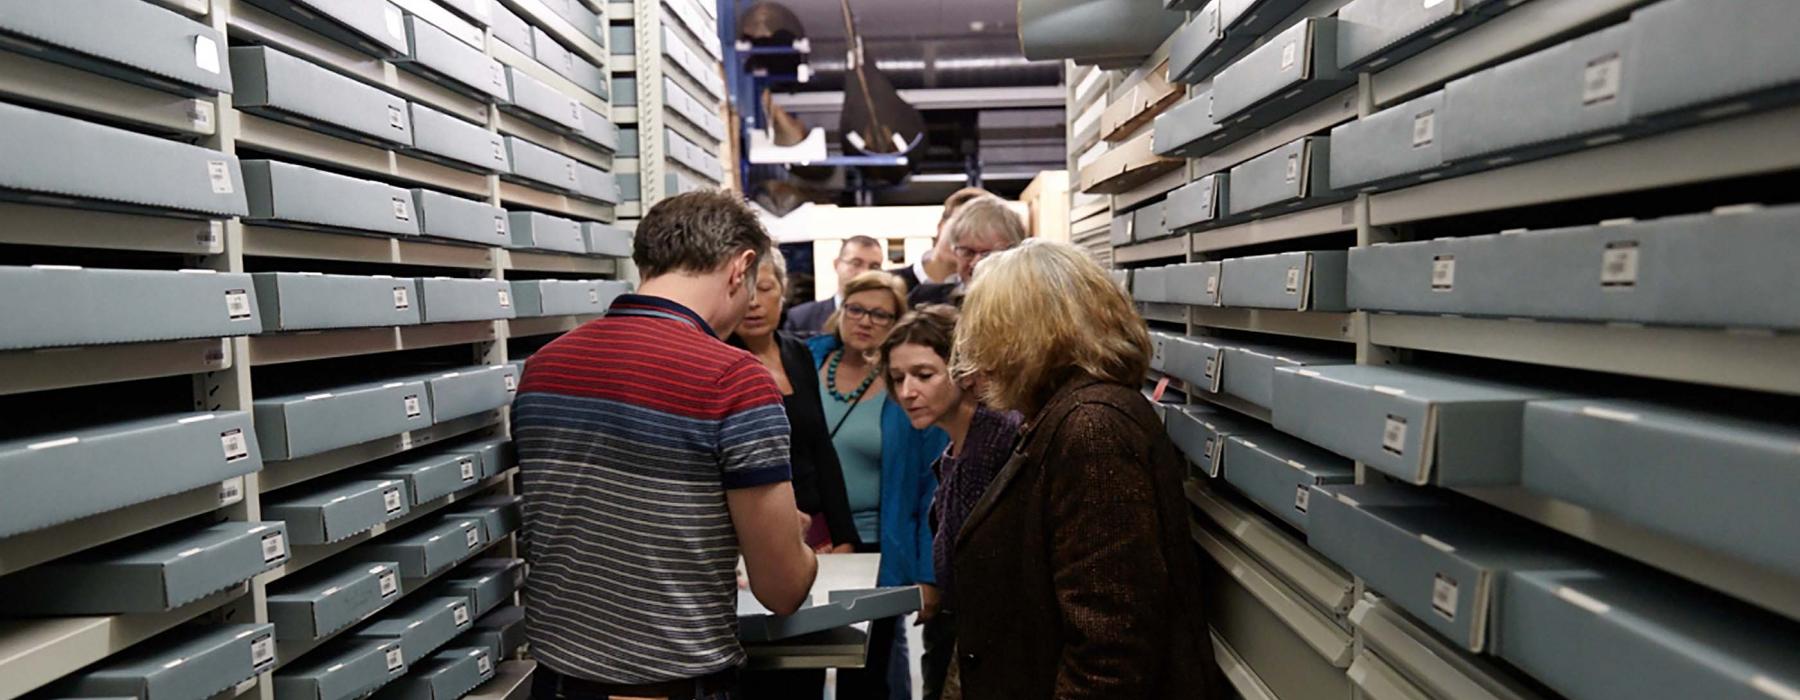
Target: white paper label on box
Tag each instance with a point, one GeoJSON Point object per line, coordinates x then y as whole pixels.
{"type": "Point", "coordinates": [237, 304]}
{"type": "Point", "coordinates": [413, 409]}
{"type": "Point", "coordinates": [1156, 351]}
{"type": "Point", "coordinates": [1212, 285]}
{"type": "Point", "coordinates": [1289, 54]}
{"type": "Point", "coordinates": [1443, 596]}
{"type": "Point", "coordinates": [1424, 128]}
{"type": "Point", "coordinates": [460, 612]}
{"type": "Point", "coordinates": [389, 583]}
{"type": "Point", "coordinates": [201, 113]}
{"type": "Point", "coordinates": [1393, 435]}
{"type": "Point", "coordinates": [571, 167]}
{"type": "Point", "coordinates": [499, 75]}
{"type": "Point", "coordinates": [390, 499]}
{"type": "Point", "coordinates": [1212, 365]}
{"type": "Point", "coordinates": [1301, 495]}
{"type": "Point", "coordinates": [482, 663]}
{"type": "Point", "coordinates": [396, 118]}
{"type": "Point", "coordinates": [234, 444]}
{"type": "Point", "coordinates": [468, 469]}
{"type": "Point", "coordinates": [395, 659]}
{"type": "Point", "coordinates": [401, 211]}
{"type": "Point", "coordinates": [262, 650]}
{"type": "Point", "coordinates": [396, 24]}
{"type": "Point", "coordinates": [1619, 264]}
{"type": "Point", "coordinates": [1293, 167]}
{"type": "Point", "coordinates": [273, 547]}
{"type": "Point", "coordinates": [406, 440]}
{"type": "Point", "coordinates": [231, 491]}
{"type": "Point", "coordinates": [1443, 273]}
{"type": "Point", "coordinates": [593, 296]}
{"type": "Point", "coordinates": [500, 225]}
{"type": "Point", "coordinates": [401, 299]}
{"type": "Point", "coordinates": [1293, 280]}
{"type": "Point", "coordinates": [474, 537]}
{"type": "Point", "coordinates": [206, 54]}
{"type": "Point", "coordinates": [575, 113]}
{"type": "Point", "coordinates": [220, 173]}
{"type": "Point", "coordinates": [505, 299]}
{"type": "Point", "coordinates": [1600, 82]}
{"type": "Point", "coordinates": [512, 383]}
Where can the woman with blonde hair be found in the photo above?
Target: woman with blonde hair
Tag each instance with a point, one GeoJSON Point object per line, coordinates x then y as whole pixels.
{"type": "Point", "coordinates": [1075, 577]}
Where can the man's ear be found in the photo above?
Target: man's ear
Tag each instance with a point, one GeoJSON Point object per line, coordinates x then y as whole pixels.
{"type": "Point", "coordinates": [740, 269]}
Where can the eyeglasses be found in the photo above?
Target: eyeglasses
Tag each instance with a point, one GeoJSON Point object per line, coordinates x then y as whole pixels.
{"type": "Point", "coordinates": [857, 312]}
{"type": "Point", "coordinates": [860, 265]}
{"type": "Point", "coordinates": [974, 254]}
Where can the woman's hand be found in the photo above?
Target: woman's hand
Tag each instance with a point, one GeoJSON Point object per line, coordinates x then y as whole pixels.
{"type": "Point", "coordinates": [930, 599]}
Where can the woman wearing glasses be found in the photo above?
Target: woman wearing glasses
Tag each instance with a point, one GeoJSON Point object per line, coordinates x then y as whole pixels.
{"type": "Point", "coordinates": [886, 465]}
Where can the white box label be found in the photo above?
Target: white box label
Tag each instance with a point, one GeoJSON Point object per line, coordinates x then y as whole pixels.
{"type": "Point", "coordinates": [1212, 285]}
{"type": "Point", "coordinates": [396, 118]}
{"type": "Point", "coordinates": [389, 583]}
{"type": "Point", "coordinates": [468, 469]}
{"type": "Point", "coordinates": [395, 659]}
{"type": "Point", "coordinates": [1443, 273]}
{"type": "Point", "coordinates": [482, 663]}
{"type": "Point", "coordinates": [413, 409]}
{"type": "Point", "coordinates": [1301, 494]}
{"type": "Point", "coordinates": [220, 173]}
{"type": "Point", "coordinates": [231, 491]}
{"type": "Point", "coordinates": [206, 54]}
{"type": "Point", "coordinates": [1443, 596]}
{"type": "Point", "coordinates": [1619, 264]}
{"type": "Point", "coordinates": [1293, 167]}
{"type": "Point", "coordinates": [401, 299]}
{"type": "Point", "coordinates": [401, 211]}
{"type": "Point", "coordinates": [237, 304]}
{"type": "Point", "coordinates": [274, 547]}
{"type": "Point", "coordinates": [505, 299]}
{"type": "Point", "coordinates": [460, 612]}
{"type": "Point", "coordinates": [1600, 82]}
{"type": "Point", "coordinates": [396, 24]}
{"type": "Point", "coordinates": [201, 113]}
{"type": "Point", "coordinates": [1393, 435]}
{"type": "Point", "coordinates": [474, 537]}
{"type": "Point", "coordinates": [500, 225]}
{"type": "Point", "coordinates": [1293, 280]}
{"type": "Point", "coordinates": [390, 499]}
{"type": "Point", "coordinates": [235, 446]}
{"type": "Point", "coordinates": [499, 152]}
{"type": "Point", "coordinates": [1289, 55]}
{"type": "Point", "coordinates": [1424, 128]}
{"type": "Point", "coordinates": [512, 383]}
{"type": "Point", "coordinates": [262, 650]}
{"type": "Point", "coordinates": [1212, 365]}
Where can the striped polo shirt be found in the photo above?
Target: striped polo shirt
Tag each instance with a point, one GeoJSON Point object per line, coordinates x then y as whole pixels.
{"type": "Point", "coordinates": [630, 429]}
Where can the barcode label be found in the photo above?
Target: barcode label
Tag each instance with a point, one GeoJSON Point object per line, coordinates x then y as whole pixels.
{"type": "Point", "coordinates": [390, 499]}
{"type": "Point", "coordinates": [395, 659]}
{"type": "Point", "coordinates": [1293, 280]}
{"type": "Point", "coordinates": [473, 535]}
{"type": "Point", "coordinates": [1301, 495]}
{"type": "Point", "coordinates": [468, 469]}
{"type": "Point", "coordinates": [201, 113]}
{"type": "Point", "coordinates": [273, 547]}
{"type": "Point", "coordinates": [505, 299]}
{"type": "Point", "coordinates": [231, 491]}
{"type": "Point", "coordinates": [1443, 273]}
{"type": "Point", "coordinates": [1293, 167]}
{"type": "Point", "coordinates": [460, 612]}
{"type": "Point", "coordinates": [237, 304]}
{"type": "Point", "coordinates": [401, 299]}
{"type": "Point", "coordinates": [512, 383]}
{"type": "Point", "coordinates": [482, 663]}
{"type": "Point", "coordinates": [396, 118]}
{"type": "Point", "coordinates": [1424, 128]}
{"type": "Point", "coordinates": [1393, 435]}
{"type": "Point", "coordinates": [401, 211]}
{"type": "Point", "coordinates": [413, 409]}
{"type": "Point", "coordinates": [235, 446]}
{"type": "Point", "coordinates": [389, 583]}
{"type": "Point", "coordinates": [1212, 365]}
{"type": "Point", "coordinates": [1600, 81]}
{"type": "Point", "coordinates": [220, 173]}
{"type": "Point", "coordinates": [206, 54]}
{"type": "Point", "coordinates": [1443, 596]}
{"type": "Point", "coordinates": [1619, 264]}
{"type": "Point", "coordinates": [1289, 55]}
{"type": "Point", "coordinates": [262, 650]}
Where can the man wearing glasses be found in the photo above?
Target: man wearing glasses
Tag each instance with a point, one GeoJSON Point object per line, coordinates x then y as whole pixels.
{"type": "Point", "coordinates": [981, 227]}
{"type": "Point", "coordinates": [860, 254]}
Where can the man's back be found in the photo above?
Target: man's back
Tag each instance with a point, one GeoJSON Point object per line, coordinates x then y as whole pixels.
{"type": "Point", "coordinates": [630, 429]}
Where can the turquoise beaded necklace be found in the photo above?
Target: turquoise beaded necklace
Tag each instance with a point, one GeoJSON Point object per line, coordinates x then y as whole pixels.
{"type": "Point", "coordinates": [831, 381]}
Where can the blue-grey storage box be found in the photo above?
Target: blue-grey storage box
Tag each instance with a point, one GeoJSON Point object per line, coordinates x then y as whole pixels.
{"type": "Point", "coordinates": [1159, 342]}
{"type": "Point", "coordinates": [57, 477]}
{"type": "Point", "coordinates": [344, 670]}
{"type": "Point", "coordinates": [1194, 361]}
{"type": "Point", "coordinates": [1147, 222]}
{"type": "Point", "coordinates": [606, 239]}
{"type": "Point", "coordinates": [1295, 69]}
{"type": "Point", "coordinates": [486, 588]}
{"type": "Point", "coordinates": [1440, 560]}
{"type": "Point", "coordinates": [1195, 284]}
{"type": "Point", "coordinates": [845, 608]}
{"type": "Point", "coordinates": [499, 514]}
{"type": "Point", "coordinates": [325, 515]}
{"type": "Point", "coordinates": [531, 229]}
{"type": "Point", "coordinates": [509, 28]}
{"type": "Point", "coordinates": [1255, 17]}
{"type": "Point", "coordinates": [133, 41]}
{"type": "Point", "coordinates": [152, 572]}
{"type": "Point", "coordinates": [1200, 433]}
{"type": "Point", "coordinates": [600, 186]}
{"type": "Point", "coordinates": [292, 301]}
{"type": "Point", "coordinates": [437, 55]}
{"type": "Point", "coordinates": [1612, 633]}
{"type": "Point", "coordinates": [1248, 369]}
{"type": "Point", "coordinates": [50, 154]}
{"type": "Point", "coordinates": [1688, 54]}
{"type": "Point", "coordinates": [1297, 281]}
{"type": "Point", "coordinates": [449, 216]}
{"type": "Point", "coordinates": [458, 142]}
{"type": "Point", "coordinates": [1198, 203]}
{"type": "Point", "coordinates": [284, 193]}
{"type": "Point", "coordinates": [298, 425]}
{"type": "Point", "coordinates": [505, 626]}
{"type": "Point", "coordinates": [581, 15]}
{"type": "Point", "coordinates": [449, 299]}
{"type": "Point", "coordinates": [513, 370]}
{"type": "Point", "coordinates": [550, 52]}
{"type": "Point", "coordinates": [421, 625]}
{"type": "Point", "coordinates": [598, 131]}
{"type": "Point", "coordinates": [1293, 176]}
{"type": "Point", "coordinates": [479, 12]}
{"type": "Point", "coordinates": [466, 391]}
{"type": "Point", "coordinates": [558, 297]}
{"type": "Point", "coordinates": [57, 305]}
{"type": "Point", "coordinates": [1187, 129]}
{"type": "Point", "coordinates": [191, 664]}
{"type": "Point", "coordinates": [434, 476]}
{"type": "Point", "coordinates": [1150, 284]}
{"type": "Point", "coordinates": [316, 604]}
{"type": "Point", "coordinates": [290, 88]}
{"type": "Point", "coordinates": [372, 26]}
{"type": "Point", "coordinates": [1722, 482]}
{"type": "Point", "coordinates": [1119, 231]}
{"type": "Point", "coordinates": [448, 675]}
{"type": "Point", "coordinates": [536, 164]}
{"type": "Point", "coordinates": [1725, 269]}
{"type": "Point", "coordinates": [1397, 145]}
{"type": "Point", "coordinates": [426, 549]}
{"type": "Point", "coordinates": [1279, 472]}
{"type": "Point", "coordinates": [493, 455]}
{"type": "Point", "coordinates": [1552, 99]}
{"type": "Point", "coordinates": [1373, 34]}
{"type": "Point", "coordinates": [540, 103]}
{"type": "Point", "coordinates": [1419, 426]}
{"type": "Point", "coordinates": [1202, 46]}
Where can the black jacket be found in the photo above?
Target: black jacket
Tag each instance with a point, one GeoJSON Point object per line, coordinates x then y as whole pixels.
{"type": "Point", "coordinates": [818, 478]}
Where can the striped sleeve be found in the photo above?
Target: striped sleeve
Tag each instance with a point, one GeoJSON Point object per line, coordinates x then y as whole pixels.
{"type": "Point", "coordinates": [753, 436]}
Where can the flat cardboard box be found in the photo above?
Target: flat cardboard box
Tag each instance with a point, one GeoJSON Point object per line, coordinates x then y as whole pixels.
{"type": "Point", "coordinates": [1558, 98]}
{"type": "Point", "coordinates": [445, 59]}
{"type": "Point", "coordinates": [479, 12]}
{"type": "Point", "coordinates": [434, 476]}
{"type": "Point", "coordinates": [450, 674]}
{"type": "Point", "coordinates": [1249, 369]}
{"type": "Point", "coordinates": [485, 589]}
{"type": "Point", "coordinates": [57, 305]}
{"type": "Point", "coordinates": [531, 229]}
{"type": "Point", "coordinates": [599, 131]}
{"type": "Point", "coordinates": [1439, 560]}
{"type": "Point", "coordinates": [583, 15]}
{"type": "Point", "coordinates": [1147, 223]}
{"type": "Point", "coordinates": [606, 239]}
{"type": "Point", "coordinates": [1295, 69]}
{"type": "Point", "coordinates": [1119, 231]}
{"type": "Point", "coordinates": [514, 370]}
{"type": "Point", "coordinates": [1279, 472]}
{"type": "Point", "coordinates": [420, 625]}
{"type": "Point", "coordinates": [1418, 426]}
{"type": "Point", "coordinates": [450, 299]}
{"type": "Point", "coordinates": [293, 301]}
{"type": "Point", "coordinates": [54, 478]}
{"type": "Point", "coordinates": [426, 549]}
{"type": "Point", "coordinates": [1200, 433]}
{"type": "Point", "coordinates": [509, 28]}
{"type": "Point", "coordinates": [465, 391]}
{"type": "Point", "coordinates": [324, 515]}
{"type": "Point", "coordinates": [1611, 633]}
{"type": "Point", "coordinates": [317, 604]}
{"type": "Point", "coordinates": [1150, 285]}
{"type": "Point", "coordinates": [1198, 204]}
{"type": "Point", "coordinates": [1195, 362]}
{"type": "Point", "coordinates": [507, 625]}
{"type": "Point", "coordinates": [550, 52]}
{"type": "Point", "coordinates": [558, 297]}
{"type": "Point", "coordinates": [299, 425]}
{"type": "Point", "coordinates": [1722, 482]}
{"type": "Point", "coordinates": [138, 42]}
{"type": "Point", "coordinates": [1187, 129]}
{"type": "Point", "coordinates": [1397, 145]}
{"type": "Point", "coordinates": [1722, 269]}
{"type": "Point", "coordinates": [1689, 56]}
{"type": "Point", "coordinates": [1294, 176]}
{"type": "Point", "coordinates": [50, 154]}
{"type": "Point", "coordinates": [1297, 281]}
{"type": "Point", "coordinates": [374, 27]}
{"type": "Point", "coordinates": [1194, 284]}
{"type": "Point", "coordinates": [199, 662]}
{"type": "Point", "coordinates": [540, 165]}
{"type": "Point", "coordinates": [458, 142]}
{"type": "Point", "coordinates": [153, 572]}
{"type": "Point", "coordinates": [600, 186]}
{"type": "Point", "coordinates": [290, 88]}
{"type": "Point", "coordinates": [1255, 17]}
{"type": "Point", "coordinates": [1202, 46]}
{"type": "Point", "coordinates": [1126, 167]}
{"type": "Point", "coordinates": [449, 216]}
{"type": "Point", "coordinates": [1373, 34]}
{"type": "Point", "coordinates": [345, 670]}
{"type": "Point", "coordinates": [1127, 113]}
{"type": "Point", "coordinates": [284, 193]}
{"type": "Point", "coordinates": [499, 514]}
{"type": "Point", "coordinates": [541, 103]}
{"type": "Point", "coordinates": [1159, 349]}
{"type": "Point", "coordinates": [493, 455]}
{"type": "Point", "coordinates": [845, 608]}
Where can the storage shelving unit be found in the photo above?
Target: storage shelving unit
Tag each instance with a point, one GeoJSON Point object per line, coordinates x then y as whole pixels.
{"type": "Point", "coordinates": [669, 75]}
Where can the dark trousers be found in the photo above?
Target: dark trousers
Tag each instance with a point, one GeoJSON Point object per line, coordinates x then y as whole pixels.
{"type": "Point", "coordinates": [873, 681]}
{"type": "Point", "coordinates": [782, 685]}
{"type": "Point", "coordinates": [940, 653]}
{"type": "Point", "coordinates": [550, 685]}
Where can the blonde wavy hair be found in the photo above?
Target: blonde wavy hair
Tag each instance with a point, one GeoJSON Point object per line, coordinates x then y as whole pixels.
{"type": "Point", "coordinates": [1041, 314]}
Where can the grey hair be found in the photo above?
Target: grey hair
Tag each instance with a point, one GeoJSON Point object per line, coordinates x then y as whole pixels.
{"type": "Point", "coordinates": [985, 214]}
